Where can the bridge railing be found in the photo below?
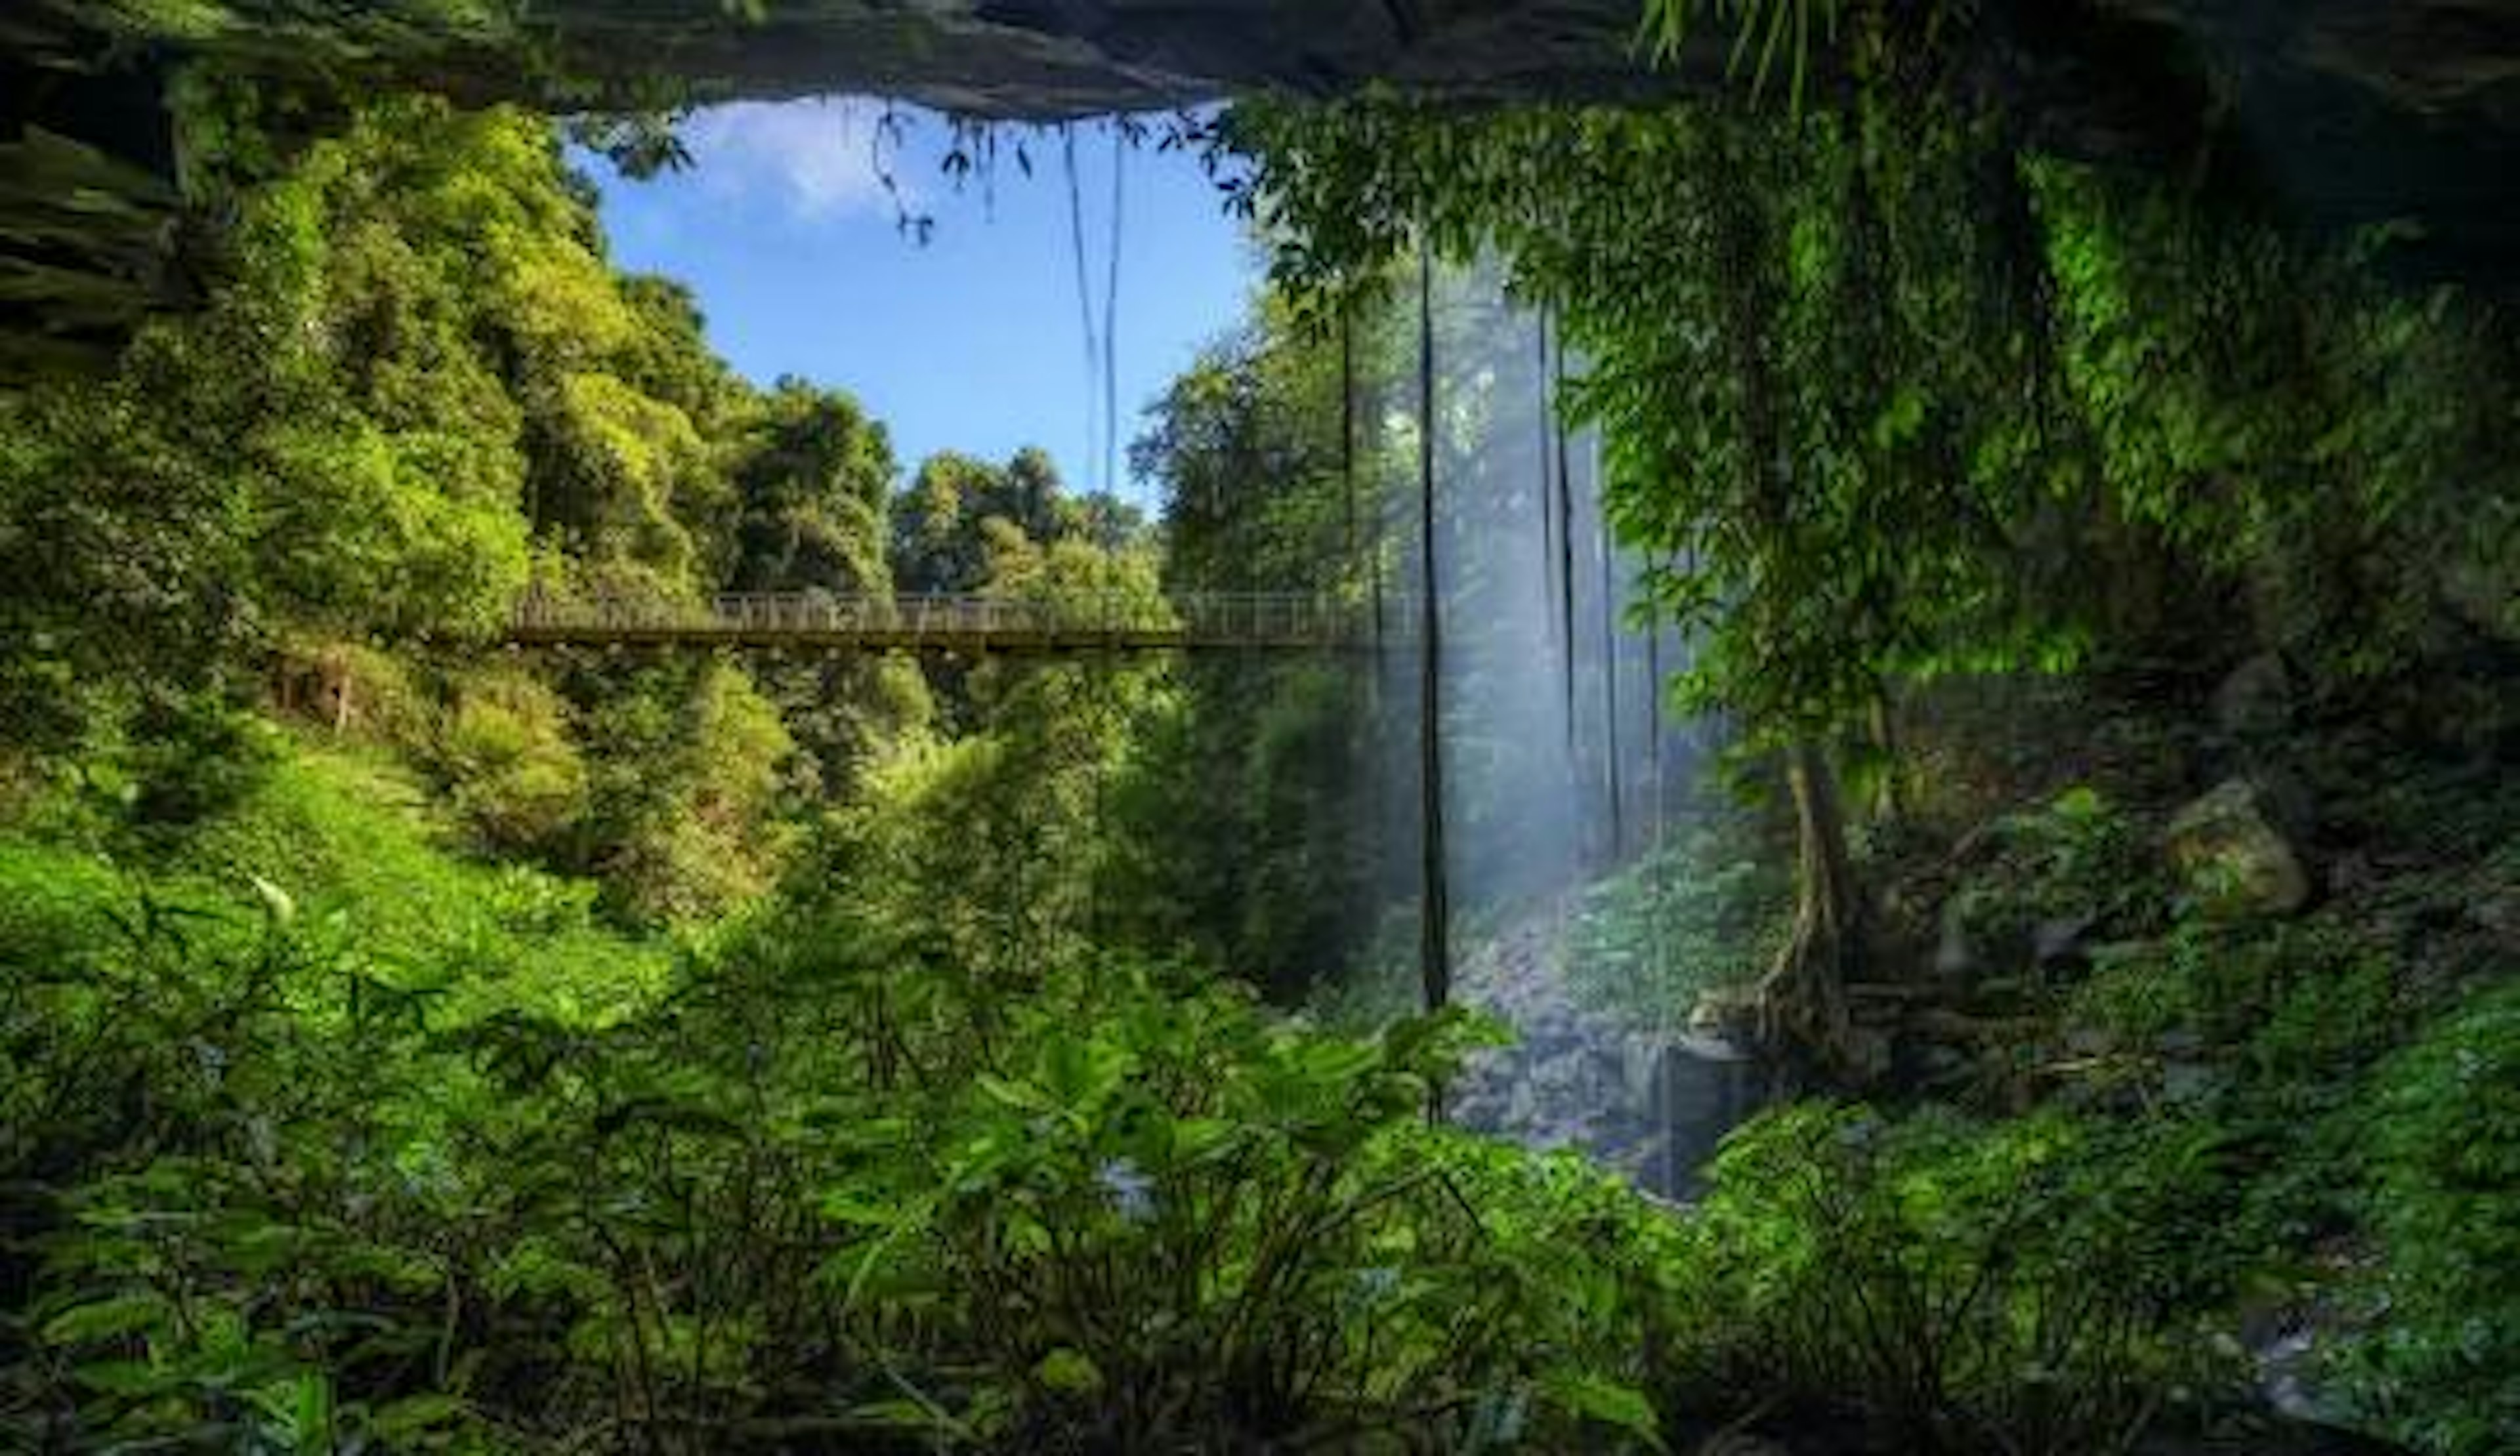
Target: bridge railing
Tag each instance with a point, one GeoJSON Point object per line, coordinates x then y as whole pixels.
{"type": "Point", "coordinates": [1198, 618]}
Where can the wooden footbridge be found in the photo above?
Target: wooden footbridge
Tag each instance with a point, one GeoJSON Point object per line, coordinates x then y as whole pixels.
{"type": "Point", "coordinates": [954, 624]}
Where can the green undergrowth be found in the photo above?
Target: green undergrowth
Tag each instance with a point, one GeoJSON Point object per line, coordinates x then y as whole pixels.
{"type": "Point", "coordinates": [1704, 912]}
{"type": "Point", "coordinates": [342, 841]}
{"type": "Point", "coordinates": [324, 1138]}
{"type": "Point", "coordinates": [2330, 1081]}
{"type": "Point", "coordinates": [2444, 1312]}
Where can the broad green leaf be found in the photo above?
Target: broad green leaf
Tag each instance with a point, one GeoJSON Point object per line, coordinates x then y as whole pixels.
{"type": "Point", "coordinates": [105, 1319]}
{"type": "Point", "coordinates": [1069, 1372]}
{"type": "Point", "coordinates": [1598, 1398]}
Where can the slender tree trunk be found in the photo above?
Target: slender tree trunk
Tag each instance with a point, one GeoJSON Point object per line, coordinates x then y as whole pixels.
{"type": "Point", "coordinates": [1554, 560]}
{"type": "Point", "coordinates": [1549, 554]}
{"type": "Point", "coordinates": [1565, 516]}
{"type": "Point", "coordinates": [342, 695]}
{"type": "Point", "coordinates": [1613, 789]}
{"type": "Point", "coordinates": [1375, 524]}
{"type": "Point", "coordinates": [1436, 950]}
{"type": "Point", "coordinates": [1347, 431]}
{"type": "Point", "coordinates": [1660, 804]}
{"type": "Point", "coordinates": [1654, 764]}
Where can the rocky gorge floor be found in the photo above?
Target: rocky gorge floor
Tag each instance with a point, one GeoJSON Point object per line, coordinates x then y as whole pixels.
{"type": "Point", "coordinates": [1651, 1102]}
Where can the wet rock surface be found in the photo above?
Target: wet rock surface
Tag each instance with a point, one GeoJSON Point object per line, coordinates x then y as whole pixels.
{"type": "Point", "coordinates": [1651, 1104]}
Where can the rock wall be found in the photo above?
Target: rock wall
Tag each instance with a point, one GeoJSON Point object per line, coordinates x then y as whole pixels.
{"type": "Point", "coordinates": [2340, 114]}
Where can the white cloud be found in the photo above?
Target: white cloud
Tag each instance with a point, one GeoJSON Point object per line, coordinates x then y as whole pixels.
{"type": "Point", "coordinates": [814, 157]}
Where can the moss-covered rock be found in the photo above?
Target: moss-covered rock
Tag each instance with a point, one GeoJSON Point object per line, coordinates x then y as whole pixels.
{"type": "Point", "coordinates": [2231, 856]}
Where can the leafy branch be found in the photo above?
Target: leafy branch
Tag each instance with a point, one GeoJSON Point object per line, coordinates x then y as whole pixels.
{"type": "Point", "coordinates": [1765, 34]}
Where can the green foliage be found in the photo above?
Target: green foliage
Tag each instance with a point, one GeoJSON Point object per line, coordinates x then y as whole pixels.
{"type": "Point", "coordinates": [350, 833]}
{"type": "Point", "coordinates": [1275, 880]}
{"type": "Point", "coordinates": [318, 1161]}
{"type": "Point", "coordinates": [1278, 879]}
{"type": "Point", "coordinates": [1839, 491]}
{"type": "Point", "coordinates": [2032, 1277]}
{"type": "Point", "coordinates": [2077, 868]}
{"type": "Point", "coordinates": [228, 1112]}
{"type": "Point", "coordinates": [319, 1136]}
{"type": "Point", "coordinates": [187, 759]}
{"type": "Point", "coordinates": [2436, 1364]}
{"type": "Point", "coordinates": [1892, 402]}
{"type": "Point", "coordinates": [1197, 1226]}
{"type": "Point", "coordinates": [511, 769]}
{"type": "Point", "coordinates": [418, 361]}
{"type": "Point", "coordinates": [2281, 419]}
{"type": "Point", "coordinates": [2353, 1127]}
{"type": "Point", "coordinates": [1773, 31]}
{"type": "Point", "coordinates": [1246, 445]}
{"type": "Point", "coordinates": [1704, 912]}
{"type": "Point", "coordinates": [944, 522]}
{"type": "Point", "coordinates": [2295, 998]}
{"type": "Point", "coordinates": [812, 489]}
{"type": "Point", "coordinates": [687, 766]}
{"type": "Point", "coordinates": [980, 851]}
{"type": "Point", "coordinates": [416, 356]}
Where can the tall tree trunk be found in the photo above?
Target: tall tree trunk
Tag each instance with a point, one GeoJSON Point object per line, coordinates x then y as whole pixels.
{"type": "Point", "coordinates": [1376, 499]}
{"type": "Point", "coordinates": [1552, 551]}
{"type": "Point", "coordinates": [1347, 433]}
{"type": "Point", "coordinates": [1658, 802]}
{"type": "Point", "coordinates": [1612, 785]}
{"type": "Point", "coordinates": [1562, 459]}
{"type": "Point", "coordinates": [1435, 948]}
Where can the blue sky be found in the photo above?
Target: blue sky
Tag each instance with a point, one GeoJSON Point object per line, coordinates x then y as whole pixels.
{"type": "Point", "coordinates": [973, 343]}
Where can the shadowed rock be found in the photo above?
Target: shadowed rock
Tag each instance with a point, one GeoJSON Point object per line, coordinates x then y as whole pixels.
{"type": "Point", "coordinates": [2336, 114]}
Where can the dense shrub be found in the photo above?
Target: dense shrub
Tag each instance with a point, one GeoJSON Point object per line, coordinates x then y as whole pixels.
{"type": "Point", "coordinates": [2072, 866]}
{"type": "Point", "coordinates": [1182, 1225]}
{"type": "Point", "coordinates": [2022, 1286]}
{"type": "Point", "coordinates": [311, 1152]}
{"type": "Point", "coordinates": [2438, 1364]}
{"type": "Point", "coordinates": [513, 774]}
{"type": "Point", "coordinates": [187, 758]}
{"type": "Point", "coordinates": [686, 767]}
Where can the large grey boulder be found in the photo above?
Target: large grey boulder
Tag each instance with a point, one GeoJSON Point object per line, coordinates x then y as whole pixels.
{"type": "Point", "coordinates": [1708, 1086]}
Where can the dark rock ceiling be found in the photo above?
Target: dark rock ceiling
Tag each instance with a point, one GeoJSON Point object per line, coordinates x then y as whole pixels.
{"type": "Point", "coordinates": [2336, 114]}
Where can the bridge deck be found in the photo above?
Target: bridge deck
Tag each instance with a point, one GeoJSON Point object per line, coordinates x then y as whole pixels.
{"type": "Point", "coordinates": [959, 624]}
